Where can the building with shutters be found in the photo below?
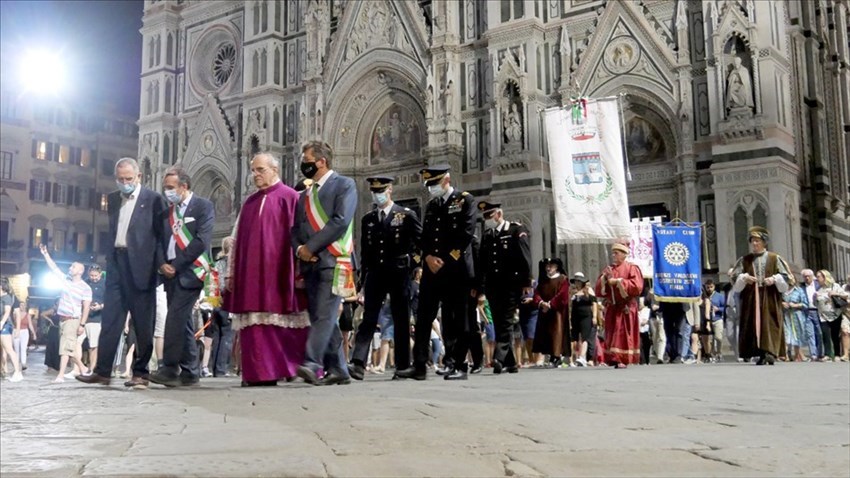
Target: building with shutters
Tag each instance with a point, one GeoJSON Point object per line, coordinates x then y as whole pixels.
{"type": "Point", "coordinates": [57, 167]}
{"type": "Point", "coordinates": [737, 112]}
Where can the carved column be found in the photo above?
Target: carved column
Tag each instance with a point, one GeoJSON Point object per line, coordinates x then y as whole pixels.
{"type": "Point", "coordinates": [756, 80]}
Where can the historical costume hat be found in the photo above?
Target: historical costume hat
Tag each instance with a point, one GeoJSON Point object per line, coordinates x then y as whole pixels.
{"type": "Point", "coordinates": [758, 232]}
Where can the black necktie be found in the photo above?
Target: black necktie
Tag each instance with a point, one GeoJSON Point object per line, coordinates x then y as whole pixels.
{"type": "Point", "coordinates": [382, 215]}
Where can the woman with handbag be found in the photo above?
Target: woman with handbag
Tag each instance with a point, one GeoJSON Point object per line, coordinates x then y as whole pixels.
{"type": "Point", "coordinates": [831, 299]}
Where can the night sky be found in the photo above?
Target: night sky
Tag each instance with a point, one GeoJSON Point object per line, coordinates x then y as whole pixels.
{"type": "Point", "coordinates": [98, 40]}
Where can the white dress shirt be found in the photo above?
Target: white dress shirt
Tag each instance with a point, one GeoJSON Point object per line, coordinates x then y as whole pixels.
{"type": "Point", "coordinates": [386, 210]}
{"type": "Point", "coordinates": [128, 204]}
{"type": "Point", "coordinates": [172, 243]}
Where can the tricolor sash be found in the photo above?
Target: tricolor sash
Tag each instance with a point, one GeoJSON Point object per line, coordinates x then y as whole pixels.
{"type": "Point", "coordinates": [343, 282]}
{"type": "Point", "coordinates": [182, 237]}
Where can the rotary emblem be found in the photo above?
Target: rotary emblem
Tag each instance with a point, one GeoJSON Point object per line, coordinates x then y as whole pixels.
{"type": "Point", "coordinates": [676, 253]}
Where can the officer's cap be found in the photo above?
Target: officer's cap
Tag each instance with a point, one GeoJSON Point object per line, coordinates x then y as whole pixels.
{"type": "Point", "coordinates": [433, 174]}
{"type": "Point", "coordinates": [488, 208]}
{"type": "Point", "coordinates": [379, 183]}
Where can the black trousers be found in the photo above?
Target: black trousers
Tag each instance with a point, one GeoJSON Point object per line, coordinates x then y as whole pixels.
{"type": "Point", "coordinates": [645, 346]}
{"type": "Point", "coordinates": [180, 349]}
{"type": "Point", "coordinates": [504, 302]}
{"type": "Point", "coordinates": [222, 346]}
{"type": "Point", "coordinates": [476, 346]}
{"type": "Point", "coordinates": [379, 283]}
{"type": "Point", "coordinates": [448, 291]}
{"type": "Point", "coordinates": [673, 331]}
{"type": "Point", "coordinates": [122, 296]}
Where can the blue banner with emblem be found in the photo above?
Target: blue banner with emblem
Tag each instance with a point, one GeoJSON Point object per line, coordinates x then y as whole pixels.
{"type": "Point", "coordinates": [677, 254]}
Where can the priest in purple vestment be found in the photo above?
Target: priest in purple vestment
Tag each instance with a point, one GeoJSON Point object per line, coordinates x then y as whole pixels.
{"type": "Point", "coordinates": [261, 292]}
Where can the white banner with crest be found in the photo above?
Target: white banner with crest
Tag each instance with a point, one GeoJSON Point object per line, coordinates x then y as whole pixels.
{"type": "Point", "coordinates": [588, 179]}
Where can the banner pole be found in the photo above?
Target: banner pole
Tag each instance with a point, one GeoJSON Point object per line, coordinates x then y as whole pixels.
{"type": "Point", "coordinates": [623, 137]}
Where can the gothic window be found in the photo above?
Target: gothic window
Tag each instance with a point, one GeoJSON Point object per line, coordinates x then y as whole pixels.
{"type": "Point", "coordinates": [151, 48]}
{"type": "Point", "coordinates": [506, 10]}
{"type": "Point", "coordinates": [263, 63]}
{"type": "Point", "coordinates": [156, 97]}
{"type": "Point", "coordinates": [265, 18]}
{"type": "Point", "coordinates": [169, 50]}
{"type": "Point", "coordinates": [149, 98]}
{"type": "Point", "coordinates": [741, 225]}
{"type": "Point", "coordinates": [224, 64]}
{"type": "Point", "coordinates": [255, 69]}
{"type": "Point", "coordinates": [166, 149]}
{"type": "Point", "coordinates": [463, 86]}
{"type": "Point", "coordinates": [277, 65]}
{"type": "Point", "coordinates": [278, 12]}
{"type": "Point", "coordinates": [276, 123]}
{"type": "Point", "coordinates": [158, 50]}
{"type": "Point", "coordinates": [257, 17]}
{"type": "Point", "coordinates": [547, 66]}
{"type": "Point", "coordinates": [168, 95]}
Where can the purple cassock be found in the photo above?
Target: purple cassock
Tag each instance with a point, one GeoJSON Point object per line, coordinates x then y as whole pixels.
{"type": "Point", "coordinates": [265, 307]}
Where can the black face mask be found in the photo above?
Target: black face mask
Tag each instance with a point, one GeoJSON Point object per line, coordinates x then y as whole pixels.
{"type": "Point", "coordinates": [309, 169]}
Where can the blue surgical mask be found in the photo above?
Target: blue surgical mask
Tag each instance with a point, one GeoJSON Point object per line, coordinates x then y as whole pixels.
{"type": "Point", "coordinates": [436, 190]}
{"type": "Point", "coordinates": [380, 198]}
{"type": "Point", "coordinates": [173, 196]}
{"type": "Point", "coordinates": [126, 188]}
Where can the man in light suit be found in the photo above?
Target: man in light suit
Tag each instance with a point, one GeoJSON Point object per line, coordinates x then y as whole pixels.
{"type": "Point", "coordinates": [135, 255]}
{"type": "Point", "coordinates": [190, 220]}
{"type": "Point", "coordinates": [323, 240]}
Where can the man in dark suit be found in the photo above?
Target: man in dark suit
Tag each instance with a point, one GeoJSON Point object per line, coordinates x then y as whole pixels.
{"type": "Point", "coordinates": [389, 236]}
{"type": "Point", "coordinates": [323, 240]}
{"type": "Point", "coordinates": [447, 234]}
{"type": "Point", "coordinates": [190, 220]}
{"type": "Point", "coordinates": [506, 275]}
{"type": "Point", "coordinates": [135, 255]}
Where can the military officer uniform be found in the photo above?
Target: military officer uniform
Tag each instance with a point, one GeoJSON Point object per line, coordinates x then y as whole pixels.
{"type": "Point", "coordinates": [389, 238]}
{"type": "Point", "coordinates": [505, 263]}
{"type": "Point", "coordinates": [448, 231]}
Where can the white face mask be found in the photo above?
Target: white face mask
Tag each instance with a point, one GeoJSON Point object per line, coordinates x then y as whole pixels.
{"type": "Point", "coordinates": [436, 190]}
{"type": "Point", "coordinates": [490, 223]}
{"type": "Point", "coordinates": [553, 274]}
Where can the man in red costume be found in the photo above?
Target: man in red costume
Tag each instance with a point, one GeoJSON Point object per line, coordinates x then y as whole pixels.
{"type": "Point", "coordinates": [619, 286]}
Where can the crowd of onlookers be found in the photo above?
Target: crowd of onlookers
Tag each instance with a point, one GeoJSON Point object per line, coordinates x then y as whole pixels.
{"type": "Point", "coordinates": [816, 324]}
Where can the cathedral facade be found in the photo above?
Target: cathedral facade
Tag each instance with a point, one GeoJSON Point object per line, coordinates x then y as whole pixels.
{"type": "Point", "coordinates": [736, 112]}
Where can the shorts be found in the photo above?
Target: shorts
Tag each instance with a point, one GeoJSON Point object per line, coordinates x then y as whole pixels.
{"type": "Point", "coordinates": [528, 324]}
{"type": "Point", "coordinates": [387, 327]}
{"type": "Point", "coordinates": [93, 334]}
{"type": "Point", "coordinates": [209, 330]}
{"type": "Point", "coordinates": [68, 337]}
{"type": "Point", "coordinates": [161, 312]}
{"type": "Point", "coordinates": [346, 318]}
{"type": "Point", "coordinates": [7, 328]}
{"type": "Point", "coordinates": [490, 332]}
{"type": "Point", "coordinates": [845, 326]}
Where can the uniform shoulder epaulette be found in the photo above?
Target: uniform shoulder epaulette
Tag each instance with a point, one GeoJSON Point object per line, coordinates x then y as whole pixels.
{"type": "Point", "coordinates": [407, 209]}
{"type": "Point", "coordinates": [464, 193]}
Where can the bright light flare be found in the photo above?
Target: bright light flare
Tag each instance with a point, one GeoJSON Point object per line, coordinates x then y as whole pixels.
{"type": "Point", "coordinates": [42, 72]}
{"type": "Point", "coordinates": [51, 281]}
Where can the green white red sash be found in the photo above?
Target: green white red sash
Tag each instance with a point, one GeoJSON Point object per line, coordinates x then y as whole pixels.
{"type": "Point", "coordinates": [343, 282]}
{"type": "Point", "coordinates": [182, 237]}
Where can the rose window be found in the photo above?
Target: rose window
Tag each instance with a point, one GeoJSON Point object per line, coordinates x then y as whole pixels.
{"type": "Point", "coordinates": [224, 64]}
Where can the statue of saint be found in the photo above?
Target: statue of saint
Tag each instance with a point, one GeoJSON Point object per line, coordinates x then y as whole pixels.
{"type": "Point", "coordinates": [739, 88]}
{"type": "Point", "coordinates": [512, 125]}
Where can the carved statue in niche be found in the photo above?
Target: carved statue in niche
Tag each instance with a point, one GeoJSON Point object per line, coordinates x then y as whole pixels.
{"type": "Point", "coordinates": [448, 93]}
{"type": "Point", "coordinates": [429, 94]}
{"type": "Point", "coordinates": [512, 125]}
{"type": "Point", "coordinates": [566, 55]}
{"type": "Point", "coordinates": [739, 90]}
{"type": "Point", "coordinates": [255, 121]}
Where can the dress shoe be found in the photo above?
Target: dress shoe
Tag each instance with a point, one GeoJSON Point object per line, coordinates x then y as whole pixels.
{"type": "Point", "coordinates": [307, 375]}
{"type": "Point", "coordinates": [190, 381]}
{"type": "Point", "coordinates": [137, 382]}
{"type": "Point", "coordinates": [445, 370]}
{"type": "Point", "coordinates": [160, 379]}
{"type": "Point", "coordinates": [456, 375]}
{"type": "Point", "coordinates": [334, 379]}
{"type": "Point", "coordinates": [497, 367]}
{"type": "Point", "coordinates": [476, 369]}
{"type": "Point", "coordinates": [512, 369]}
{"type": "Point", "coordinates": [770, 359]}
{"type": "Point", "coordinates": [93, 378]}
{"type": "Point", "coordinates": [356, 371]}
{"type": "Point", "coordinates": [410, 372]}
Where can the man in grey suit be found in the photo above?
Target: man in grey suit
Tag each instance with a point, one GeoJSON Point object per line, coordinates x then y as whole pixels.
{"type": "Point", "coordinates": [323, 240]}
{"type": "Point", "coordinates": [190, 220]}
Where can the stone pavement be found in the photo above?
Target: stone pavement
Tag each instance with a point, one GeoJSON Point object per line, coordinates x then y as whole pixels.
{"type": "Point", "coordinates": [674, 420]}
